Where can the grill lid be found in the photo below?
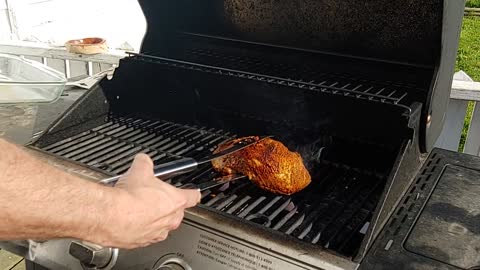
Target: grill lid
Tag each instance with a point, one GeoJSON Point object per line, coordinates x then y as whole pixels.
{"type": "Point", "coordinates": [405, 31]}
{"type": "Point", "coordinates": [422, 34]}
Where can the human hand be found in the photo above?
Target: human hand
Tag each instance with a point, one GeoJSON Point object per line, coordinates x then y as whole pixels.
{"type": "Point", "coordinates": [145, 208]}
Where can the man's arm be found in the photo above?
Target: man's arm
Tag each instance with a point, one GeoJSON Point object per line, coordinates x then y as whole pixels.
{"type": "Point", "coordinates": [39, 201]}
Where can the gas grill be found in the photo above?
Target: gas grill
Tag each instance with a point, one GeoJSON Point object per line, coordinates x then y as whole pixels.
{"type": "Point", "coordinates": [331, 213]}
{"type": "Point", "coordinates": [358, 89]}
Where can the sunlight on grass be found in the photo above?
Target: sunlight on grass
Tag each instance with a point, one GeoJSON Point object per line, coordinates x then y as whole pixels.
{"type": "Point", "coordinates": [468, 59]}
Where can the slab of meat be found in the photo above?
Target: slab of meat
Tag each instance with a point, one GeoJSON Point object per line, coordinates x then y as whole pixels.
{"type": "Point", "coordinates": [268, 163]}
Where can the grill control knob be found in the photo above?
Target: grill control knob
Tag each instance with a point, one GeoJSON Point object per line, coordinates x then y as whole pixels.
{"type": "Point", "coordinates": [93, 256]}
{"type": "Point", "coordinates": [171, 266]}
{"type": "Point", "coordinates": [172, 262]}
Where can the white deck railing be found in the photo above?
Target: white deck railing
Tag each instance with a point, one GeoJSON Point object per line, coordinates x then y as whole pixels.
{"type": "Point", "coordinates": [464, 90]}
{"type": "Point", "coordinates": [70, 64]}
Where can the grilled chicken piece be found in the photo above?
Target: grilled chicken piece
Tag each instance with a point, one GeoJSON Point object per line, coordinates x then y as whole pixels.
{"type": "Point", "coordinates": [268, 163]}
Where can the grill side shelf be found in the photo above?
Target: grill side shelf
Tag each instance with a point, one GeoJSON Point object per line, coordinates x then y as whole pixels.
{"type": "Point", "coordinates": [394, 246]}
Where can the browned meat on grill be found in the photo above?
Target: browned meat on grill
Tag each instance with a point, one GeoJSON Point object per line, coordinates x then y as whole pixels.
{"type": "Point", "coordinates": [268, 163]}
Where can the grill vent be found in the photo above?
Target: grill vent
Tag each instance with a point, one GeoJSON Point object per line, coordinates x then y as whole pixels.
{"type": "Point", "coordinates": [414, 197]}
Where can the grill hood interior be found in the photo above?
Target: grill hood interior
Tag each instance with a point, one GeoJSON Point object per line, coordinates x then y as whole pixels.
{"type": "Point", "coordinates": [412, 43]}
{"type": "Point", "coordinates": [405, 31]}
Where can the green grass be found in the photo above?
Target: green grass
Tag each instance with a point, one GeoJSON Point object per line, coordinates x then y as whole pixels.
{"type": "Point", "coordinates": [473, 3]}
{"type": "Point", "coordinates": [468, 58]}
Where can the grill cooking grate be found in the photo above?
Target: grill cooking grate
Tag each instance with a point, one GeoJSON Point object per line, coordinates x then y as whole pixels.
{"type": "Point", "coordinates": [112, 146]}
{"type": "Point", "coordinates": [332, 212]}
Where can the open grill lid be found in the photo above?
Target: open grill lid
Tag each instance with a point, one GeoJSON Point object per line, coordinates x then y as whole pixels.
{"type": "Point", "coordinates": [404, 31]}
{"type": "Point", "coordinates": [420, 35]}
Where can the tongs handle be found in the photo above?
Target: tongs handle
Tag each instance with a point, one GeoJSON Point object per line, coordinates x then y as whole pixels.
{"type": "Point", "coordinates": [165, 170]}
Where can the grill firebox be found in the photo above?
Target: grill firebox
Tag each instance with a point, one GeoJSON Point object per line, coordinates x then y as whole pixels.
{"type": "Point", "coordinates": [186, 106]}
{"type": "Point", "coordinates": [334, 212]}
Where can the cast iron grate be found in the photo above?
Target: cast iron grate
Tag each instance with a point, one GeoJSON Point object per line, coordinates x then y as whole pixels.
{"type": "Point", "coordinates": [112, 146]}
{"type": "Point", "coordinates": [333, 212]}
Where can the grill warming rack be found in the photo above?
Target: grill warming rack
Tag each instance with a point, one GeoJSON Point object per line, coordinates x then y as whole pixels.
{"type": "Point", "coordinates": [333, 212]}
{"type": "Point", "coordinates": [285, 75]}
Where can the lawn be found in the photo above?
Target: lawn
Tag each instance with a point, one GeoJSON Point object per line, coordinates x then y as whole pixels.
{"type": "Point", "coordinates": [468, 57]}
{"type": "Point", "coordinates": [473, 3]}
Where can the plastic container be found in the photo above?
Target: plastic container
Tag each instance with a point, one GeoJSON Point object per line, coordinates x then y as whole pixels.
{"type": "Point", "coordinates": [23, 80]}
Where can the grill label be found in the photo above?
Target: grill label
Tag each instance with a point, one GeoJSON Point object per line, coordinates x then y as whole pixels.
{"type": "Point", "coordinates": [231, 255]}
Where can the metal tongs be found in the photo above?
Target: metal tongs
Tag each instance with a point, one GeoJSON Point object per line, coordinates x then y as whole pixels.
{"type": "Point", "coordinates": [185, 165]}
{"type": "Point", "coordinates": [214, 183]}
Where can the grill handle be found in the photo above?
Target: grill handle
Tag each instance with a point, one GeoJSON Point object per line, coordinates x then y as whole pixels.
{"type": "Point", "coordinates": [164, 171]}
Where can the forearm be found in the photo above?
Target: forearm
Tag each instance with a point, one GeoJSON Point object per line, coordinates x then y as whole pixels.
{"type": "Point", "coordinates": [38, 201]}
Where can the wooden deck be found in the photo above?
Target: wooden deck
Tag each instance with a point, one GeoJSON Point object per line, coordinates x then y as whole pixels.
{"type": "Point", "coordinates": [9, 261]}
